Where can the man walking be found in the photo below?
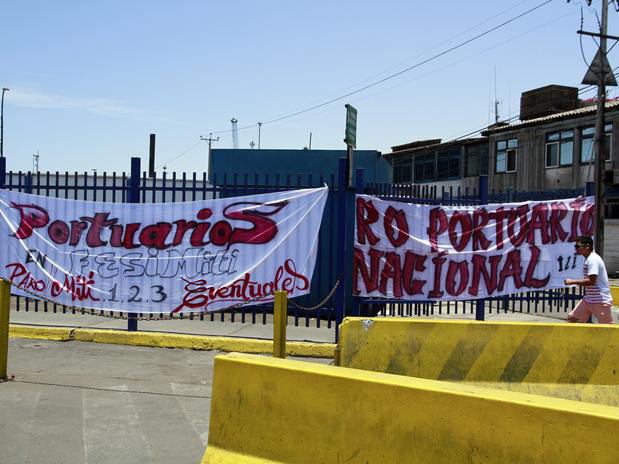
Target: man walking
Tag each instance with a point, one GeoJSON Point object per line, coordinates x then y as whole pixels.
{"type": "Point", "coordinates": [597, 300]}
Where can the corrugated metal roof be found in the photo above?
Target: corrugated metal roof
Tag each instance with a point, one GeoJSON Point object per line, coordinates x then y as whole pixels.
{"type": "Point", "coordinates": [552, 117]}
{"type": "Point", "coordinates": [438, 145]}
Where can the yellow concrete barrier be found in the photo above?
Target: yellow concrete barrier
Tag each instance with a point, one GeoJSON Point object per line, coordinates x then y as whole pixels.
{"type": "Point", "coordinates": [509, 352]}
{"type": "Point", "coordinates": [269, 410]}
{"type": "Point", "coordinates": [614, 291]}
{"type": "Point", "coordinates": [170, 340]}
{"type": "Point", "coordinates": [62, 334]}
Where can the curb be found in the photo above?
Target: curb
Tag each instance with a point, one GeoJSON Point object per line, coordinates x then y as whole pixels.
{"type": "Point", "coordinates": [168, 340]}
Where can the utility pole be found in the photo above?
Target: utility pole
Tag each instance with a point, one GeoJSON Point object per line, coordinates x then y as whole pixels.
{"type": "Point", "coordinates": [4, 89]}
{"type": "Point", "coordinates": [259, 127]}
{"type": "Point", "coordinates": [601, 71]}
{"type": "Point", "coordinates": [209, 140]}
{"type": "Point", "coordinates": [599, 136]}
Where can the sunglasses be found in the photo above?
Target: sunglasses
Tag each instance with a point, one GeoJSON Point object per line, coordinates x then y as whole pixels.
{"type": "Point", "coordinates": [577, 246]}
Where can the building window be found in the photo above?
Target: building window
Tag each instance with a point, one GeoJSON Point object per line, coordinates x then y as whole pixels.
{"type": "Point", "coordinates": [402, 171]}
{"type": "Point", "coordinates": [476, 160]}
{"type": "Point", "coordinates": [448, 164]}
{"type": "Point", "coordinates": [424, 168]}
{"type": "Point", "coordinates": [587, 144]}
{"type": "Point", "coordinates": [506, 151]}
{"type": "Point", "coordinates": [560, 149]}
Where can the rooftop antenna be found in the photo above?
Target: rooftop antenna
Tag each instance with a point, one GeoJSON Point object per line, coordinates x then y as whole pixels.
{"type": "Point", "coordinates": [235, 133]}
{"type": "Point", "coordinates": [35, 162]}
{"type": "Point", "coordinates": [496, 101]}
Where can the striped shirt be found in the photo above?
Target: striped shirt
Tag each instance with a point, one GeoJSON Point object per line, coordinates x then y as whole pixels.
{"type": "Point", "coordinates": [600, 292]}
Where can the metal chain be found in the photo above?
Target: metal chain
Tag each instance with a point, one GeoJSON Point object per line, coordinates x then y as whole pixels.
{"type": "Point", "coordinates": [162, 316]}
{"type": "Point", "coordinates": [327, 298]}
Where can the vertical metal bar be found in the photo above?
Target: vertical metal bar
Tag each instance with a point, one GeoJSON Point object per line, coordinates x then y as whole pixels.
{"type": "Point", "coordinates": [85, 186]}
{"type": "Point", "coordinates": [2, 172]}
{"type": "Point", "coordinates": [280, 318]}
{"type": "Point", "coordinates": [333, 231]}
{"type": "Point", "coordinates": [341, 240]}
{"type": "Point", "coordinates": [359, 185]}
{"type": "Point", "coordinates": [164, 186]}
{"type": "Point", "coordinates": [134, 197]}
{"type": "Point", "coordinates": [28, 186]}
{"type": "Point", "coordinates": [194, 186]}
{"type": "Point", "coordinates": [318, 253]}
{"type": "Point", "coordinates": [174, 183]}
{"type": "Point", "coordinates": [483, 200]}
{"type": "Point", "coordinates": [5, 306]}
{"type": "Point", "coordinates": [153, 195]}
{"type": "Point", "coordinates": [144, 187]}
{"type": "Point", "coordinates": [75, 182]}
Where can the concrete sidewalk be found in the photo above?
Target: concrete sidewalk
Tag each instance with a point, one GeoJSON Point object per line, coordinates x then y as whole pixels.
{"type": "Point", "coordinates": [95, 403]}
{"type": "Point", "coordinates": [185, 326]}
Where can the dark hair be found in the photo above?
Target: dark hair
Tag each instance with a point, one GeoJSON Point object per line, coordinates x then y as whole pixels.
{"type": "Point", "coordinates": [585, 240]}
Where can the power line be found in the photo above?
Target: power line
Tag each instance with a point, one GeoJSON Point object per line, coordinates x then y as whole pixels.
{"type": "Point", "coordinates": [468, 57]}
{"type": "Point", "coordinates": [409, 68]}
{"type": "Point", "coordinates": [391, 76]}
{"type": "Point", "coordinates": [401, 63]}
{"type": "Point", "coordinates": [180, 155]}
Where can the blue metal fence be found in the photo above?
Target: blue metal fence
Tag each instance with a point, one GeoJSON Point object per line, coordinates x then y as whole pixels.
{"type": "Point", "coordinates": [334, 259]}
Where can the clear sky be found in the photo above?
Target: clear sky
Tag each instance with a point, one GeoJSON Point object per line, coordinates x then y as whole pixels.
{"type": "Point", "coordinates": [91, 80]}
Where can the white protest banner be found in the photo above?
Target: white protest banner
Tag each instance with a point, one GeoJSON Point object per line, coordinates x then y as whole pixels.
{"type": "Point", "coordinates": [160, 258]}
{"type": "Point", "coordinates": [427, 252]}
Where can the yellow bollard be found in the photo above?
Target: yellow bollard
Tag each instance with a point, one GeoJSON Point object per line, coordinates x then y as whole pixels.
{"type": "Point", "coordinates": [5, 301]}
{"type": "Point", "coordinates": [614, 291]}
{"type": "Point", "coordinates": [280, 318]}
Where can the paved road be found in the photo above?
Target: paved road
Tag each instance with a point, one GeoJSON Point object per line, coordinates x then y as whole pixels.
{"type": "Point", "coordinates": [97, 404]}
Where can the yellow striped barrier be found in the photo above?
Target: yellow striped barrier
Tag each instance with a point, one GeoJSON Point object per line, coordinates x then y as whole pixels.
{"type": "Point", "coordinates": [576, 361]}
{"type": "Point", "coordinates": [483, 351]}
{"type": "Point", "coordinates": [270, 410]}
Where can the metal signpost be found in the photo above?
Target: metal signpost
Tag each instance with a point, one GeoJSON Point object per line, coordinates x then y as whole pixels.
{"type": "Point", "coordinates": [350, 138]}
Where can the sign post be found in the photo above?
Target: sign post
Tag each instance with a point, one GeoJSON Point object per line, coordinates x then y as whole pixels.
{"type": "Point", "coordinates": [350, 138]}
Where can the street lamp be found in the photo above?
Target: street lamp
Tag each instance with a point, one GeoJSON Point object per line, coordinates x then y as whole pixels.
{"type": "Point", "coordinates": [4, 89]}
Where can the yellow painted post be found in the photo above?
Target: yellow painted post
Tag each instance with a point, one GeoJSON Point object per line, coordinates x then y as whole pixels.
{"type": "Point", "coordinates": [614, 291]}
{"type": "Point", "coordinates": [280, 316]}
{"type": "Point", "coordinates": [5, 300]}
